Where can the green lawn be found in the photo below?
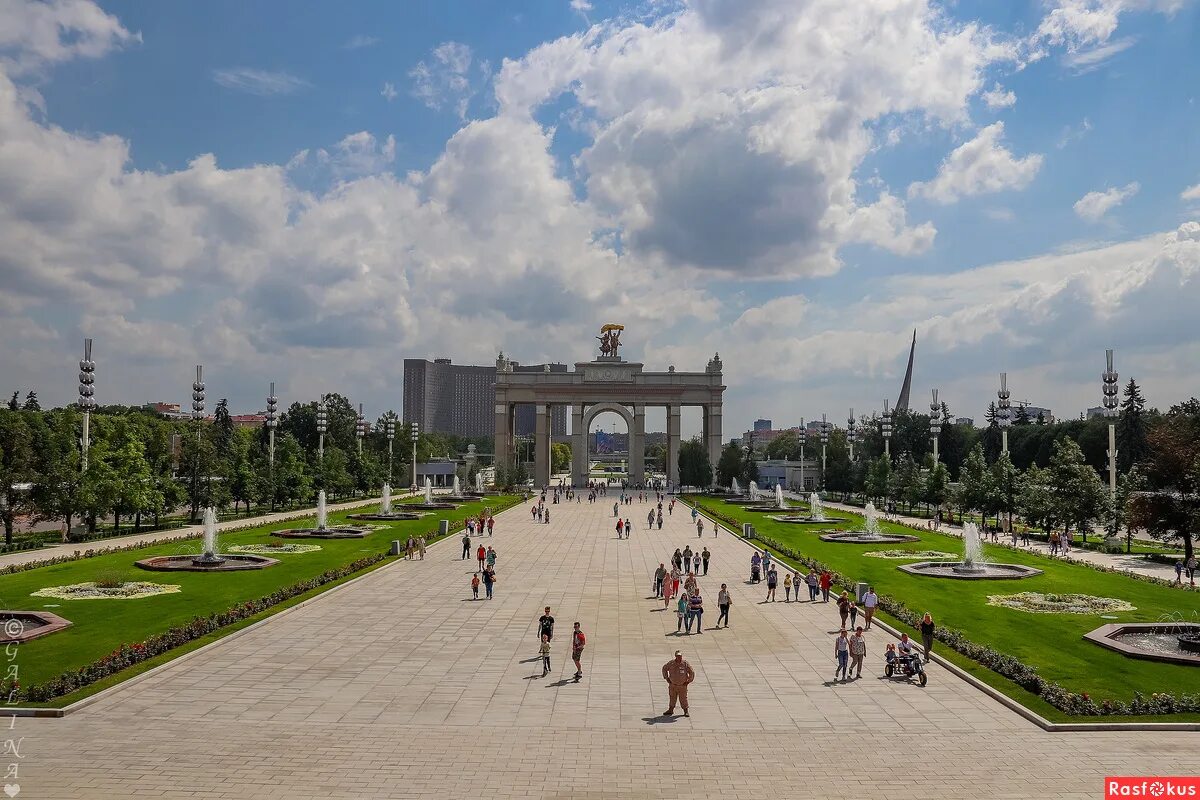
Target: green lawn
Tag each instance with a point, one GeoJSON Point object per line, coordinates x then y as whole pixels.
{"type": "Point", "coordinates": [1052, 643]}
{"type": "Point", "coordinates": [101, 626]}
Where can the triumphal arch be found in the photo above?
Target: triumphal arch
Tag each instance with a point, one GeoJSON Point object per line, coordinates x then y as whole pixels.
{"type": "Point", "coordinates": [607, 383]}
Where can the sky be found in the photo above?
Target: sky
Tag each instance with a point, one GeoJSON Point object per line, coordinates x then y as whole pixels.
{"type": "Point", "coordinates": [310, 193]}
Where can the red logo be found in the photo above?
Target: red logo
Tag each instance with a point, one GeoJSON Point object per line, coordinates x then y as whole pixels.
{"type": "Point", "coordinates": [1151, 786]}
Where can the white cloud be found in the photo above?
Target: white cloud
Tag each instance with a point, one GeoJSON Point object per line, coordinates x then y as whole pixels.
{"type": "Point", "coordinates": [982, 165]}
{"type": "Point", "coordinates": [389, 92]}
{"type": "Point", "coordinates": [582, 6]}
{"type": "Point", "coordinates": [360, 41]}
{"type": "Point", "coordinates": [444, 79]}
{"type": "Point", "coordinates": [34, 35]}
{"type": "Point", "coordinates": [1083, 61]}
{"type": "Point", "coordinates": [1094, 205]}
{"type": "Point", "coordinates": [259, 81]}
{"type": "Point", "coordinates": [1073, 133]}
{"type": "Point", "coordinates": [1000, 214]}
{"type": "Point", "coordinates": [998, 97]}
{"type": "Point", "coordinates": [1084, 28]}
{"type": "Point", "coordinates": [1190, 193]}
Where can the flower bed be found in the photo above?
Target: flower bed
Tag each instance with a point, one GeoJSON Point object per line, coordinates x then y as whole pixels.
{"type": "Point", "coordinates": [1038, 603]}
{"type": "Point", "coordinates": [127, 590]}
{"type": "Point", "coordinates": [919, 555]}
{"type": "Point", "coordinates": [272, 549]}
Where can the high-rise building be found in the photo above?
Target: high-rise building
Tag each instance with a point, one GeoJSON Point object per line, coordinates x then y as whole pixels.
{"type": "Point", "coordinates": [762, 424]}
{"type": "Point", "coordinates": [442, 397]}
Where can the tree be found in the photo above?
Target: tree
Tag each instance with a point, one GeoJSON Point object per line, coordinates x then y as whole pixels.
{"type": "Point", "coordinates": [290, 481]}
{"type": "Point", "coordinates": [13, 404]}
{"type": "Point", "coordinates": [1034, 501]}
{"type": "Point", "coordinates": [1169, 508]}
{"type": "Point", "coordinates": [879, 478]}
{"type": "Point", "coordinates": [332, 473]}
{"type": "Point", "coordinates": [31, 402]}
{"type": "Point", "coordinates": [974, 483]}
{"type": "Point", "coordinates": [1078, 496]}
{"type": "Point", "coordinates": [906, 482]}
{"type": "Point", "coordinates": [838, 471]}
{"type": "Point", "coordinates": [17, 468]}
{"type": "Point", "coordinates": [1131, 428]}
{"type": "Point", "coordinates": [656, 457]}
{"type": "Point", "coordinates": [1022, 416]}
{"type": "Point", "coordinates": [1005, 484]}
{"type": "Point", "coordinates": [56, 492]}
{"type": "Point", "coordinates": [730, 465]}
{"type": "Point", "coordinates": [560, 457]}
{"type": "Point", "coordinates": [993, 439]}
{"type": "Point", "coordinates": [936, 488]}
{"type": "Point", "coordinates": [240, 474]}
{"type": "Point", "coordinates": [784, 446]}
{"type": "Point", "coordinates": [694, 467]}
{"type": "Point", "coordinates": [133, 491]}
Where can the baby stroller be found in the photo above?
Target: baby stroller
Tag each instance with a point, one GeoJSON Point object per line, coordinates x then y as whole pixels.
{"type": "Point", "coordinates": [755, 573]}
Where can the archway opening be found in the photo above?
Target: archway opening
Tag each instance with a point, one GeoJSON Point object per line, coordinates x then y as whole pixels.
{"type": "Point", "coordinates": [608, 448]}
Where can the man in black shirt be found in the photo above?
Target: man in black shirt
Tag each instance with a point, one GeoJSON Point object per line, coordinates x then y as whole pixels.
{"type": "Point", "coordinates": [546, 625]}
{"type": "Point", "coordinates": [466, 540]}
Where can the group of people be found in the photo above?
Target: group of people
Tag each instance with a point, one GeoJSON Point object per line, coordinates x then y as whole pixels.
{"type": "Point", "coordinates": [486, 573]}
{"type": "Point", "coordinates": [1189, 567]}
{"type": "Point", "coordinates": [485, 522]}
{"type": "Point", "coordinates": [545, 629]}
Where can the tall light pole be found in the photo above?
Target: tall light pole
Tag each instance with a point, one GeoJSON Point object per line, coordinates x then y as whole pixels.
{"type": "Point", "coordinates": [935, 424]}
{"type": "Point", "coordinates": [885, 427]}
{"type": "Point", "coordinates": [1004, 412]}
{"type": "Point", "coordinates": [322, 424]}
{"type": "Point", "coordinates": [198, 416]}
{"type": "Point", "coordinates": [803, 437]}
{"type": "Point", "coordinates": [390, 427]}
{"type": "Point", "coordinates": [850, 434]}
{"type": "Point", "coordinates": [361, 428]}
{"type": "Point", "coordinates": [415, 432]}
{"type": "Point", "coordinates": [824, 441]}
{"type": "Point", "coordinates": [272, 423]}
{"type": "Point", "coordinates": [87, 379]}
{"type": "Point", "coordinates": [1110, 390]}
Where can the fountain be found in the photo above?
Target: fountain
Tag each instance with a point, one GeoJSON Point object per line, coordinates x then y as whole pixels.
{"type": "Point", "coordinates": [973, 566]}
{"type": "Point", "coordinates": [870, 534]}
{"type": "Point", "coordinates": [429, 504]}
{"type": "Point", "coordinates": [733, 486]}
{"type": "Point", "coordinates": [386, 513]}
{"type": "Point", "coordinates": [21, 626]}
{"type": "Point", "coordinates": [209, 559]}
{"type": "Point", "coordinates": [755, 499]}
{"type": "Point", "coordinates": [816, 516]}
{"type": "Point", "coordinates": [479, 488]}
{"type": "Point", "coordinates": [1170, 639]}
{"type": "Point", "coordinates": [323, 530]}
{"type": "Point", "coordinates": [816, 511]}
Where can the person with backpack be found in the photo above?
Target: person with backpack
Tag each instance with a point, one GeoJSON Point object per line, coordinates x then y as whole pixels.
{"type": "Point", "coordinates": [466, 542]}
{"type": "Point", "coordinates": [578, 640]}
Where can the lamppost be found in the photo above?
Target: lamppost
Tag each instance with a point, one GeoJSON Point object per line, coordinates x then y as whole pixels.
{"type": "Point", "coordinates": [886, 428]}
{"type": "Point", "coordinates": [361, 428]}
{"type": "Point", "coordinates": [87, 377]}
{"type": "Point", "coordinates": [198, 416]}
{"type": "Point", "coordinates": [272, 424]}
{"type": "Point", "coordinates": [322, 425]}
{"type": "Point", "coordinates": [850, 434]}
{"type": "Point", "coordinates": [415, 431]}
{"type": "Point", "coordinates": [803, 437]}
{"type": "Point", "coordinates": [1004, 412]}
{"type": "Point", "coordinates": [1110, 390]}
{"type": "Point", "coordinates": [935, 424]}
{"type": "Point", "coordinates": [824, 441]}
{"type": "Point", "coordinates": [391, 434]}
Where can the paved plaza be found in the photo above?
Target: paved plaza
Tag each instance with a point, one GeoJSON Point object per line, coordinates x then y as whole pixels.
{"type": "Point", "coordinates": [399, 685]}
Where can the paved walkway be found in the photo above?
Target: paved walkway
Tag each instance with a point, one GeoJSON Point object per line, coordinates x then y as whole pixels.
{"type": "Point", "coordinates": [188, 531]}
{"type": "Point", "coordinates": [399, 685]}
{"type": "Point", "coordinates": [1127, 563]}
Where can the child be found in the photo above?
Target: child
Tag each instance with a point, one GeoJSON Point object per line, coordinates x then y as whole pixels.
{"type": "Point", "coordinates": [890, 655]}
{"type": "Point", "coordinates": [475, 586]}
{"type": "Point", "coordinates": [787, 587]}
{"type": "Point", "coordinates": [545, 650]}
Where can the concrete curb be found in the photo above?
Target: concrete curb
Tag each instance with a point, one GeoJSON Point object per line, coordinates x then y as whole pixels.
{"type": "Point", "coordinates": [996, 694]}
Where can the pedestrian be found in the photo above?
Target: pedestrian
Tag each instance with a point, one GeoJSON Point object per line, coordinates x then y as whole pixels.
{"type": "Point", "coordinates": [1179, 572]}
{"type": "Point", "coordinates": [927, 630]}
{"type": "Point", "coordinates": [481, 554]}
{"type": "Point", "coordinates": [772, 582]}
{"type": "Point", "coordinates": [547, 516]}
{"type": "Point", "coordinates": [696, 611]}
{"type": "Point", "coordinates": [620, 527]}
{"type": "Point", "coordinates": [489, 581]}
{"type": "Point", "coordinates": [826, 583]}
{"type": "Point", "coordinates": [491, 558]}
{"type": "Point", "coordinates": [699, 527]}
{"type": "Point", "coordinates": [491, 523]}
{"type": "Point", "coordinates": [421, 544]}
{"type": "Point", "coordinates": [681, 607]}
{"type": "Point", "coordinates": [475, 586]}
{"type": "Point", "coordinates": [658, 519]}
{"type": "Point", "coordinates": [696, 562]}
{"type": "Point", "coordinates": [628, 528]}
{"type": "Point", "coordinates": [853, 615]}
{"type": "Point", "coordinates": [841, 651]}
{"type": "Point", "coordinates": [704, 556]}
{"type": "Point", "coordinates": [660, 575]}
{"type": "Point", "coordinates": [677, 558]}
{"type": "Point", "coordinates": [1191, 570]}
{"type": "Point", "coordinates": [545, 651]}
{"type": "Point", "coordinates": [755, 564]}
{"type": "Point", "coordinates": [813, 584]}
{"type": "Point", "coordinates": [766, 560]}
{"type": "Point", "coordinates": [466, 543]}
{"type": "Point", "coordinates": [690, 584]}
{"type": "Point", "coordinates": [724, 601]}
{"type": "Point", "coordinates": [578, 640]}
{"type": "Point", "coordinates": [870, 601]}
{"type": "Point", "coordinates": [616, 508]}
{"type": "Point", "coordinates": [843, 605]}
{"type": "Point", "coordinates": [858, 649]}
{"type": "Point", "coordinates": [546, 625]}
{"type": "Point", "coordinates": [678, 674]}
{"type": "Point", "coordinates": [787, 587]}
{"type": "Point", "coordinates": [687, 558]}
{"type": "Point", "coordinates": [650, 519]}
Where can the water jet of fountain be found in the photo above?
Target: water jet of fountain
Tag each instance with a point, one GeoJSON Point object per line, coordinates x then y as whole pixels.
{"type": "Point", "coordinates": [479, 482]}
{"type": "Point", "coordinates": [321, 515]}
{"type": "Point", "coordinates": [428, 491]}
{"type": "Point", "coordinates": [386, 506]}
{"type": "Point", "coordinates": [457, 487]}
{"type": "Point", "coordinates": [816, 510]}
{"type": "Point", "coordinates": [733, 486]}
{"type": "Point", "coordinates": [779, 497]}
{"type": "Point", "coordinates": [210, 532]}
{"type": "Point", "coordinates": [871, 526]}
{"type": "Point", "coordinates": [753, 490]}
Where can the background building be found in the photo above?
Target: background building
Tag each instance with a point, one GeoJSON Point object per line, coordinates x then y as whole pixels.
{"type": "Point", "coordinates": [442, 397]}
{"type": "Point", "coordinates": [762, 425]}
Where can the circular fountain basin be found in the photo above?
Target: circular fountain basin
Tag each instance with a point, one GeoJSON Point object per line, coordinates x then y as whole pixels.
{"type": "Point", "coordinates": [861, 537]}
{"type": "Point", "coordinates": [21, 626]}
{"type": "Point", "coordinates": [746, 500]}
{"type": "Point", "coordinates": [968, 571]}
{"type": "Point", "coordinates": [223, 562]}
{"type": "Point", "coordinates": [795, 519]}
{"type": "Point", "coordinates": [336, 532]}
{"type": "Point", "coordinates": [1173, 642]}
{"type": "Point", "coordinates": [432, 506]}
{"type": "Point", "coordinates": [391, 516]}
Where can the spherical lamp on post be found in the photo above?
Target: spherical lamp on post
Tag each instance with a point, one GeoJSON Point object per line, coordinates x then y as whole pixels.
{"type": "Point", "coordinates": [87, 380]}
{"type": "Point", "coordinates": [416, 433]}
{"type": "Point", "coordinates": [824, 442]}
{"type": "Point", "coordinates": [885, 427]}
{"type": "Point", "coordinates": [935, 424]}
{"type": "Point", "coordinates": [1109, 388]}
{"type": "Point", "coordinates": [272, 424]}
{"type": "Point", "coordinates": [322, 426]}
{"type": "Point", "coordinates": [198, 417]}
{"type": "Point", "coordinates": [1004, 411]}
{"type": "Point", "coordinates": [390, 429]}
{"type": "Point", "coordinates": [802, 436]}
{"type": "Point", "coordinates": [850, 422]}
{"type": "Point", "coordinates": [361, 428]}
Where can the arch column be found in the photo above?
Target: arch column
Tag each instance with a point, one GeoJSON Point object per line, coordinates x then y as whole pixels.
{"type": "Point", "coordinates": [541, 447]}
{"type": "Point", "coordinates": [637, 445]}
{"type": "Point", "coordinates": [712, 435]}
{"type": "Point", "coordinates": [579, 454]}
{"type": "Point", "coordinates": [673, 444]}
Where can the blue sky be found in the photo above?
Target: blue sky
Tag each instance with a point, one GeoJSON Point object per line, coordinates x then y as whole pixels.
{"type": "Point", "coordinates": [306, 192]}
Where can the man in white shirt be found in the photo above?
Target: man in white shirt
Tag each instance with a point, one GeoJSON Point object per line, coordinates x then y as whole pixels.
{"type": "Point", "coordinates": [870, 601]}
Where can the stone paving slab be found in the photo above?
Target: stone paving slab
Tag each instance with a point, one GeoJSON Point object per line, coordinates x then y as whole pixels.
{"type": "Point", "coordinates": [402, 686]}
